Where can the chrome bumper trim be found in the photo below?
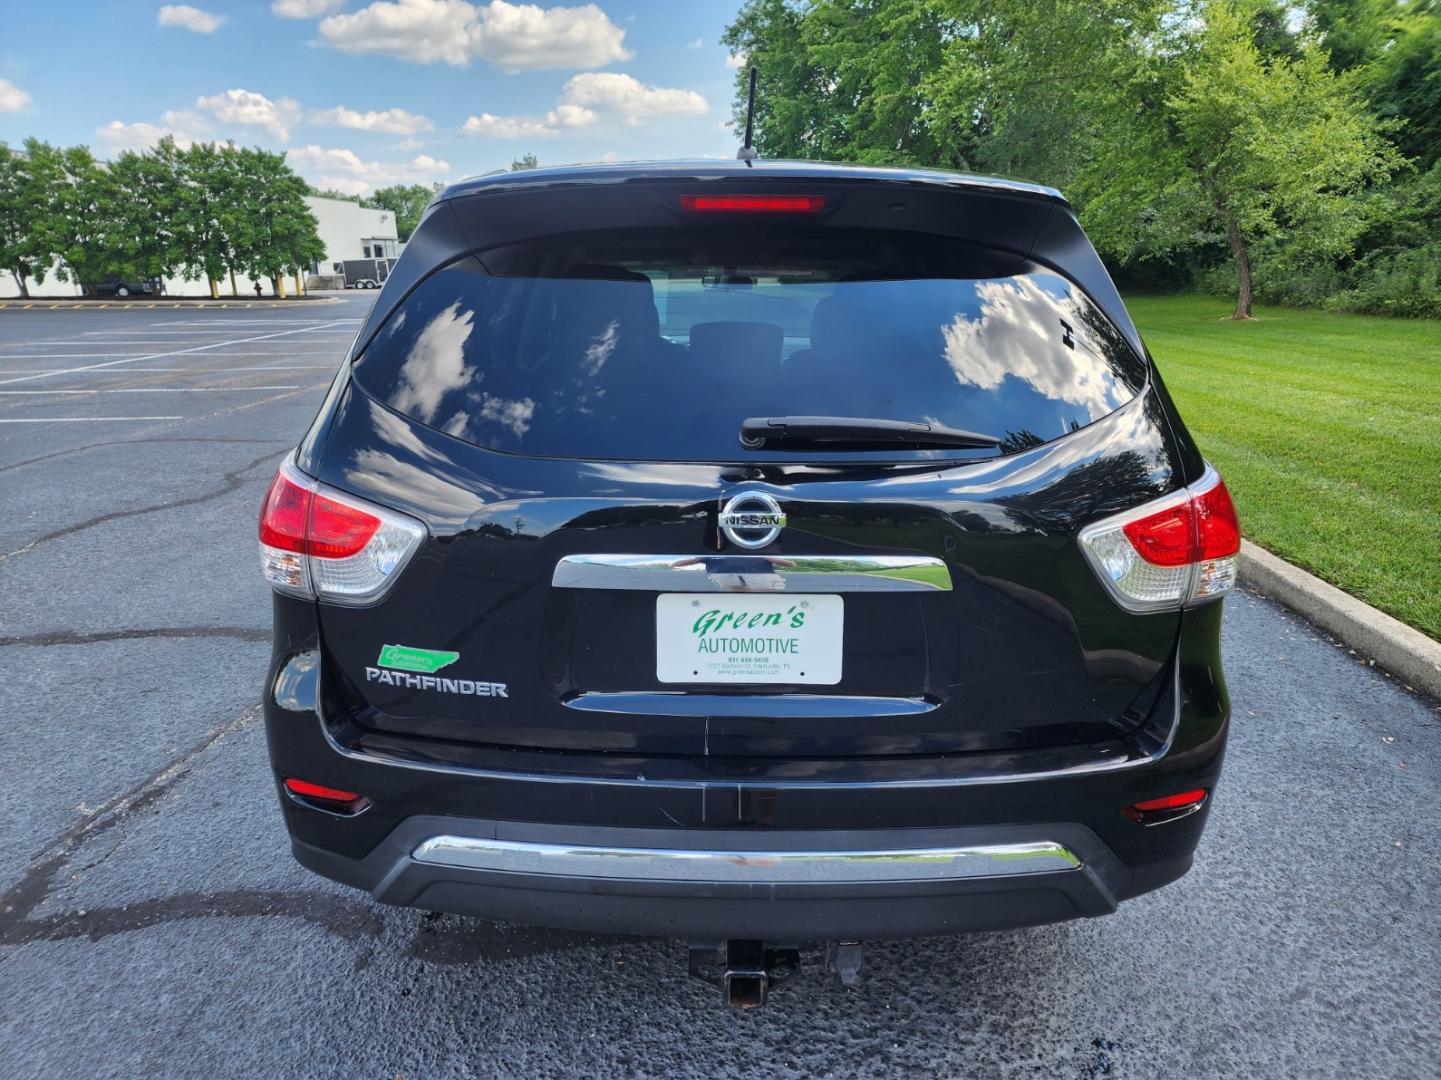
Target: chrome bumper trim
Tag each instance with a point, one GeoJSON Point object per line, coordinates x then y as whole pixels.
{"type": "Point", "coordinates": [753, 573]}
{"type": "Point", "coordinates": [747, 867]}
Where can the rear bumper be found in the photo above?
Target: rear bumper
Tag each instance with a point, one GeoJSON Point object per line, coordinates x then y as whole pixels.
{"type": "Point", "coordinates": [876, 884]}
{"type": "Point", "coordinates": [536, 836]}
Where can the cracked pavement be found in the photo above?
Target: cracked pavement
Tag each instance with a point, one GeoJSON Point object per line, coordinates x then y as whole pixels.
{"type": "Point", "coordinates": [153, 923]}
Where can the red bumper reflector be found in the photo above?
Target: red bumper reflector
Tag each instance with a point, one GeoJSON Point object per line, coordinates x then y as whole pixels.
{"type": "Point", "coordinates": [1165, 806]}
{"type": "Point", "coordinates": [306, 790]}
{"type": "Point", "coordinates": [753, 204]}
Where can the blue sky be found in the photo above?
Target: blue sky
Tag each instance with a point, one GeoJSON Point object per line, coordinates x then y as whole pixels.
{"type": "Point", "coordinates": [363, 94]}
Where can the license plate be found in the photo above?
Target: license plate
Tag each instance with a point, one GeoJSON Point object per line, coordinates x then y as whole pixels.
{"type": "Point", "coordinates": [748, 638]}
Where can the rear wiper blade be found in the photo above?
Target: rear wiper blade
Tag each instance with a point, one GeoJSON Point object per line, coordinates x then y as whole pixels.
{"type": "Point", "coordinates": [758, 432]}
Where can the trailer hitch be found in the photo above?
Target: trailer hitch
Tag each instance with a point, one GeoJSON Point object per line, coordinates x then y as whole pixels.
{"type": "Point", "coordinates": [746, 970]}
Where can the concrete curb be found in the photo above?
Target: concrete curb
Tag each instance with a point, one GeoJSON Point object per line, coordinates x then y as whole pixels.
{"type": "Point", "coordinates": [1406, 653]}
{"type": "Point", "coordinates": [147, 305]}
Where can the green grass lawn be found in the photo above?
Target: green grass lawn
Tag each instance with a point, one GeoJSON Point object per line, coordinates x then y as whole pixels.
{"type": "Point", "coordinates": [1327, 429]}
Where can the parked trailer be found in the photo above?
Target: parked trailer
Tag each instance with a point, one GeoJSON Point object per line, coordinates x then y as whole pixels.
{"type": "Point", "coordinates": [365, 273]}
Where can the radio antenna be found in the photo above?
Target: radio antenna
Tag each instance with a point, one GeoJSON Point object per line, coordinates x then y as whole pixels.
{"type": "Point", "coordinates": [747, 152]}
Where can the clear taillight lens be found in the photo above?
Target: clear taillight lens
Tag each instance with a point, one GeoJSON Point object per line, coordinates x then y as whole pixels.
{"type": "Point", "coordinates": [1175, 551]}
{"type": "Point", "coordinates": [318, 542]}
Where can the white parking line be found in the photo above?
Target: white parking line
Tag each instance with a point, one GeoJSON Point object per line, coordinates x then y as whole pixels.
{"type": "Point", "coordinates": [249, 322]}
{"type": "Point", "coordinates": [159, 355]}
{"type": "Point", "coordinates": [195, 332]}
{"type": "Point", "coordinates": [154, 390]}
{"type": "Point", "coordinates": [92, 341]}
{"type": "Point", "coordinates": [82, 419]}
{"type": "Point", "coordinates": [173, 370]}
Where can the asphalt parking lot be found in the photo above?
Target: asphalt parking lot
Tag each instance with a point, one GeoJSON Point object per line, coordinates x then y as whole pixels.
{"type": "Point", "coordinates": [153, 922]}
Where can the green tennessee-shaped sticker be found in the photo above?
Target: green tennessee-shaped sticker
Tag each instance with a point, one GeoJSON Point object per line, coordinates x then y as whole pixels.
{"type": "Point", "coordinates": [405, 658]}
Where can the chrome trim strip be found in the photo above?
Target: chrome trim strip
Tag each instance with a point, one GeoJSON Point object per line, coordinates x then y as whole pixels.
{"type": "Point", "coordinates": [747, 867]}
{"type": "Point", "coordinates": [792, 706]}
{"type": "Point", "coordinates": [753, 573]}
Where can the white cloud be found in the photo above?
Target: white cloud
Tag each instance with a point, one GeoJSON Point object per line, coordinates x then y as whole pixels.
{"type": "Point", "coordinates": [523, 37]}
{"type": "Point", "coordinates": [489, 126]}
{"type": "Point", "coordinates": [698, 43]}
{"type": "Point", "coordinates": [185, 126]}
{"type": "Point", "coordinates": [347, 171]}
{"type": "Point", "coordinates": [513, 37]}
{"type": "Point", "coordinates": [390, 121]}
{"type": "Point", "coordinates": [190, 18]}
{"type": "Point", "coordinates": [254, 110]}
{"type": "Point", "coordinates": [587, 99]}
{"type": "Point", "coordinates": [735, 61]}
{"type": "Point", "coordinates": [424, 31]}
{"type": "Point", "coordinates": [12, 98]}
{"type": "Point", "coordinates": [626, 96]}
{"type": "Point", "coordinates": [303, 9]}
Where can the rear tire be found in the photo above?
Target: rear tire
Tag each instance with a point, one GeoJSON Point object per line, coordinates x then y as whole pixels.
{"type": "Point", "coordinates": [122, 292]}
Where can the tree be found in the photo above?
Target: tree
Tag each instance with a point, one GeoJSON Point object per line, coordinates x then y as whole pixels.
{"type": "Point", "coordinates": [148, 197]}
{"type": "Point", "coordinates": [525, 161]}
{"type": "Point", "coordinates": [208, 209]}
{"type": "Point", "coordinates": [844, 80]}
{"type": "Point", "coordinates": [81, 214]}
{"type": "Point", "coordinates": [406, 201]}
{"type": "Point", "coordinates": [277, 234]}
{"type": "Point", "coordinates": [1222, 138]}
{"type": "Point", "coordinates": [26, 181]}
{"type": "Point", "coordinates": [332, 193]}
{"type": "Point", "coordinates": [1394, 49]}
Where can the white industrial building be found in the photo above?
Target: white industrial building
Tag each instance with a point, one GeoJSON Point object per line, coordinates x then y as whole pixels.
{"type": "Point", "coordinates": [352, 232]}
{"type": "Point", "coordinates": [348, 231]}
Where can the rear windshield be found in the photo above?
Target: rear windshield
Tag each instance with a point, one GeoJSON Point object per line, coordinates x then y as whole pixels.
{"type": "Point", "coordinates": [657, 346]}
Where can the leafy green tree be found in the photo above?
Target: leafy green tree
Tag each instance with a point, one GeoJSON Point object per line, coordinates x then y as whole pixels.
{"type": "Point", "coordinates": [1394, 49]}
{"type": "Point", "coordinates": [277, 232]}
{"type": "Point", "coordinates": [844, 80]}
{"type": "Point", "coordinates": [148, 197]}
{"type": "Point", "coordinates": [406, 201]}
{"type": "Point", "coordinates": [1223, 139]}
{"type": "Point", "coordinates": [81, 214]}
{"type": "Point", "coordinates": [332, 193]}
{"type": "Point", "coordinates": [1018, 81]}
{"type": "Point", "coordinates": [208, 207]}
{"type": "Point", "coordinates": [525, 161]}
{"type": "Point", "coordinates": [26, 181]}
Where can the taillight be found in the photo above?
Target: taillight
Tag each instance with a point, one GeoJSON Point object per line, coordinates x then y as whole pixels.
{"type": "Point", "coordinates": [318, 542]}
{"type": "Point", "coordinates": [1178, 550]}
{"type": "Point", "coordinates": [335, 800]}
{"type": "Point", "coordinates": [753, 204]}
{"type": "Point", "coordinates": [1167, 807]}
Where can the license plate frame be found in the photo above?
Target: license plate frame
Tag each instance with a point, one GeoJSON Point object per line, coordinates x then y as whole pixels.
{"type": "Point", "coordinates": [780, 640]}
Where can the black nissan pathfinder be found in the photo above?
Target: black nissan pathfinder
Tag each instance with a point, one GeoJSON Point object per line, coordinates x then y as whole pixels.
{"type": "Point", "coordinates": [748, 552]}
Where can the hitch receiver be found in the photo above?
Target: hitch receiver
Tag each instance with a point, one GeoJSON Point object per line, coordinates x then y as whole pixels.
{"type": "Point", "coordinates": [745, 970]}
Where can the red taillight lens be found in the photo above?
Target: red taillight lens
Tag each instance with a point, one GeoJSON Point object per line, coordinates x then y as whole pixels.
{"type": "Point", "coordinates": [753, 204]}
{"type": "Point", "coordinates": [1163, 539]}
{"type": "Point", "coordinates": [1206, 527]}
{"type": "Point", "coordinates": [1166, 808]}
{"type": "Point", "coordinates": [1171, 802]}
{"type": "Point", "coordinates": [338, 531]}
{"type": "Point", "coordinates": [282, 517]}
{"type": "Point", "coordinates": [1218, 527]}
{"type": "Point", "coordinates": [332, 798]}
